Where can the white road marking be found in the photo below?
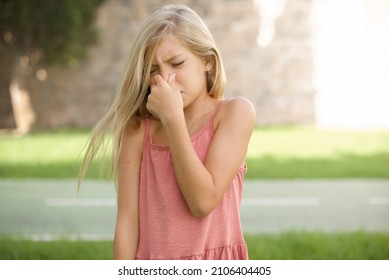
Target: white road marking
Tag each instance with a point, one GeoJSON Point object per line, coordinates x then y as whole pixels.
{"type": "Point", "coordinates": [379, 200]}
{"type": "Point", "coordinates": [71, 237]}
{"type": "Point", "coordinates": [81, 202]}
{"type": "Point", "coordinates": [281, 201]}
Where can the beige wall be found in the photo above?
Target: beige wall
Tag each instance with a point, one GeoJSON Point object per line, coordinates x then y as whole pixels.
{"type": "Point", "coordinates": [276, 78]}
{"type": "Point", "coordinates": [272, 50]}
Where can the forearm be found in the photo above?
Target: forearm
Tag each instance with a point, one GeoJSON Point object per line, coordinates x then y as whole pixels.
{"type": "Point", "coordinates": [125, 243]}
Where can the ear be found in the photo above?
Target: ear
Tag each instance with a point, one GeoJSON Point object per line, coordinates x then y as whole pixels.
{"type": "Point", "coordinates": [208, 65]}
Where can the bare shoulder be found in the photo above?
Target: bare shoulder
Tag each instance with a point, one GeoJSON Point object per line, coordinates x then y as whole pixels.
{"type": "Point", "coordinates": [135, 127]}
{"type": "Point", "coordinates": [237, 111]}
{"type": "Point", "coordinates": [239, 105]}
{"type": "Point", "coordinates": [134, 134]}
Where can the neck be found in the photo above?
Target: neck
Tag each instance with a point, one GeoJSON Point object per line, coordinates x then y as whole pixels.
{"type": "Point", "coordinates": [199, 108]}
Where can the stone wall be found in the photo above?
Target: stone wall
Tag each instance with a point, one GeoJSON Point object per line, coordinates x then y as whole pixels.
{"type": "Point", "coordinates": [276, 77]}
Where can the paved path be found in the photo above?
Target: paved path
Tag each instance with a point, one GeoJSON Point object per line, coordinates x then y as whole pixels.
{"type": "Point", "coordinates": [46, 209]}
{"type": "Point", "coordinates": [345, 205]}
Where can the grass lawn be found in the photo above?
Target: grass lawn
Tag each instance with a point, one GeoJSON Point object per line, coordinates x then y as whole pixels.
{"type": "Point", "coordinates": [284, 246]}
{"type": "Point", "coordinates": [311, 153]}
{"type": "Point", "coordinates": [274, 153]}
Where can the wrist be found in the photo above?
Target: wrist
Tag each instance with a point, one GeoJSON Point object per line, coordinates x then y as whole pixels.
{"type": "Point", "coordinates": [172, 120]}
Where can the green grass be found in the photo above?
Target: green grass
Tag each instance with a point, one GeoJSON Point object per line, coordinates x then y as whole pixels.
{"type": "Point", "coordinates": [283, 246]}
{"type": "Point", "coordinates": [319, 246]}
{"type": "Point", "coordinates": [51, 154]}
{"type": "Point", "coordinates": [297, 152]}
{"type": "Point", "coordinates": [274, 153]}
{"type": "Point", "coordinates": [19, 249]}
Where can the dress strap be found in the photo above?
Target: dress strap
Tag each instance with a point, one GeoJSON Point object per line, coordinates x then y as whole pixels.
{"type": "Point", "coordinates": [219, 105]}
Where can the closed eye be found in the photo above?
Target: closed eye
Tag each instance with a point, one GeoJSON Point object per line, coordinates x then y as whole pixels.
{"type": "Point", "coordinates": [178, 63]}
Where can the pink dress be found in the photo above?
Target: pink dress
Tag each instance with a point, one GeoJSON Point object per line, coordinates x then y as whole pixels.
{"type": "Point", "coordinates": [167, 228]}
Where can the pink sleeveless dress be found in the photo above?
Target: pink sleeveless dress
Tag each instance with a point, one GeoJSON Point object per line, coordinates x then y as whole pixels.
{"type": "Point", "coordinates": [167, 228]}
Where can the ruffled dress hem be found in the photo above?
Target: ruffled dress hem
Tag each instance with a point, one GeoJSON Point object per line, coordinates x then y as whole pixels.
{"type": "Point", "coordinates": [232, 252]}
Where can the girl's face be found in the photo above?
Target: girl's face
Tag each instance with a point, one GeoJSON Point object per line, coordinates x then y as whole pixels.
{"type": "Point", "coordinates": [173, 57]}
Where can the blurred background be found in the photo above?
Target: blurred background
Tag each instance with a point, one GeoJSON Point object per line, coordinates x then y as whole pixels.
{"type": "Point", "coordinates": [317, 72]}
{"type": "Point", "coordinates": [315, 62]}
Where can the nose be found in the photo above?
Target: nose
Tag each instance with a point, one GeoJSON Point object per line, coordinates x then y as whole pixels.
{"type": "Point", "coordinates": [164, 74]}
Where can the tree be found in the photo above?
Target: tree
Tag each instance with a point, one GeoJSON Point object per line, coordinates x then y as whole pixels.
{"type": "Point", "coordinates": [58, 30]}
{"type": "Point", "coordinates": [43, 32]}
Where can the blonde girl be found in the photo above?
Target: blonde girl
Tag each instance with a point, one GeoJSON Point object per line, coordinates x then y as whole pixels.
{"type": "Point", "coordinates": [178, 148]}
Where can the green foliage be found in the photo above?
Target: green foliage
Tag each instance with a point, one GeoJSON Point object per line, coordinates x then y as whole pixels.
{"type": "Point", "coordinates": [59, 31]}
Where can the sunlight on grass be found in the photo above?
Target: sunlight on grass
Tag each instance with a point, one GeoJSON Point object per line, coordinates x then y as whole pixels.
{"type": "Point", "coordinates": [311, 153]}
{"type": "Point", "coordinates": [45, 154]}
{"type": "Point", "coordinates": [308, 142]}
{"type": "Point", "coordinates": [43, 147]}
{"type": "Point", "coordinates": [277, 152]}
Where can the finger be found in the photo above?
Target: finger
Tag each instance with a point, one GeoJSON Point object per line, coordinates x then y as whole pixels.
{"type": "Point", "coordinates": [171, 79]}
{"type": "Point", "coordinates": [158, 80]}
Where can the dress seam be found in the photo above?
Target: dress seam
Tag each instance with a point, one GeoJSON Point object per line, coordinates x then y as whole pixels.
{"type": "Point", "coordinates": [204, 252]}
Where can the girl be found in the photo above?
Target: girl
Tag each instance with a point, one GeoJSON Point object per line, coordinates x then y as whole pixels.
{"type": "Point", "coordinates": [178, 147]}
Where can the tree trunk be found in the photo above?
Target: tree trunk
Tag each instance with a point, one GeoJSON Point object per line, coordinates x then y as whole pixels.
{"type": "Point", "coordinates": [23, 112]}
{"type": "Point", "coordinates": [7, 120]}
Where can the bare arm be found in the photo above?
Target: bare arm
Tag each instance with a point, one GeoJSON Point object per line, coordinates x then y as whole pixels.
{"type": "Point", "coordinates": [203, 184]}
{"type": "Point", "coordinates": [127, 223]}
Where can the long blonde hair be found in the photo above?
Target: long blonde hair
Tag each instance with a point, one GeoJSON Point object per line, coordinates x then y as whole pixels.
{"type": "Point", "coordinates": [130, 100]}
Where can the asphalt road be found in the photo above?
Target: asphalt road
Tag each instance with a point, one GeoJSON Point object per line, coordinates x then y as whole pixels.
{"type": "Point", "coordinates": [345, 205]}
{"type": "Point", "coordinates": [47, 209]}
